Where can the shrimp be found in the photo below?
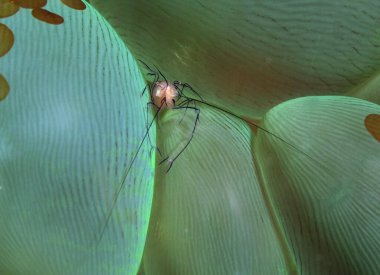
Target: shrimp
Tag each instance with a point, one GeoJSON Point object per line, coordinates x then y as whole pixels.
{"type": "Point", "coordinates": [163, 96]}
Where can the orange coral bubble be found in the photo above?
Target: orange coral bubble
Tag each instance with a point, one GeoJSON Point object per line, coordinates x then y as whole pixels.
{"type": "Point", "coordinates": [372, 123]}
{"type": "Point", "coordinates": [6, 39]}
{"type": "Point", "coordinates": [74, 4]}
{"type": "Point", "coordinates": [30, 4]}
{"type": "Point", "coordinates": [4, 87]}
{"type": "Point", "coordinates": [8, 8]}
{"type": "Point", "coordinates": [47, 16]}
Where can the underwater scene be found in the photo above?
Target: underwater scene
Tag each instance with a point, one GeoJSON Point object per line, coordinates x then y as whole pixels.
{"type": "Point", "coordinates": [189, 137]}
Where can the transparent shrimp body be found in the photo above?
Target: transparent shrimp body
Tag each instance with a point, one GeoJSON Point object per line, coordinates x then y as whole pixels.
{"type": "Point", "coordinates": [164, 95]}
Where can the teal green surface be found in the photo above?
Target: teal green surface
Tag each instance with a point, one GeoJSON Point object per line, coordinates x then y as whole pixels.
{"type": "Point", "coordinates": [235, 202]}
{"type": "Point", "coordinates": [326, 203]}
{"type": "Point", "coordinates": [69, 129]}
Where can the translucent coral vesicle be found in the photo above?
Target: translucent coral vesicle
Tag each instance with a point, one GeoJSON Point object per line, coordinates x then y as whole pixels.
{"type": "Point", "coordinates": [7, 8]}
{"type": "Point", "coordinates": [372, 123]}
{"type": "Point", "coordinates": [6, 39]}
{"type": "Point", "coordinates": [74, 4]}
{"type": "Point", "coordinates": [4, 87]}
{"type": "Point", "coordinates": [30, 4]}
{"type": "Point", "coordinates": [47, 16]}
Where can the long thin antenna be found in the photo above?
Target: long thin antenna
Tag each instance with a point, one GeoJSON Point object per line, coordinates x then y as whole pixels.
{"type": "Point", "coordinates": [159, 73]}
{"type": "Point", "coordinates": [263, 129]}
{"type": "Point", "coordinates": [121, 185]}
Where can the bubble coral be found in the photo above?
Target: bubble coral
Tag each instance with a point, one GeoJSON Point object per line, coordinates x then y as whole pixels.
{"type": "Point", "coordinates": [239, 200]}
